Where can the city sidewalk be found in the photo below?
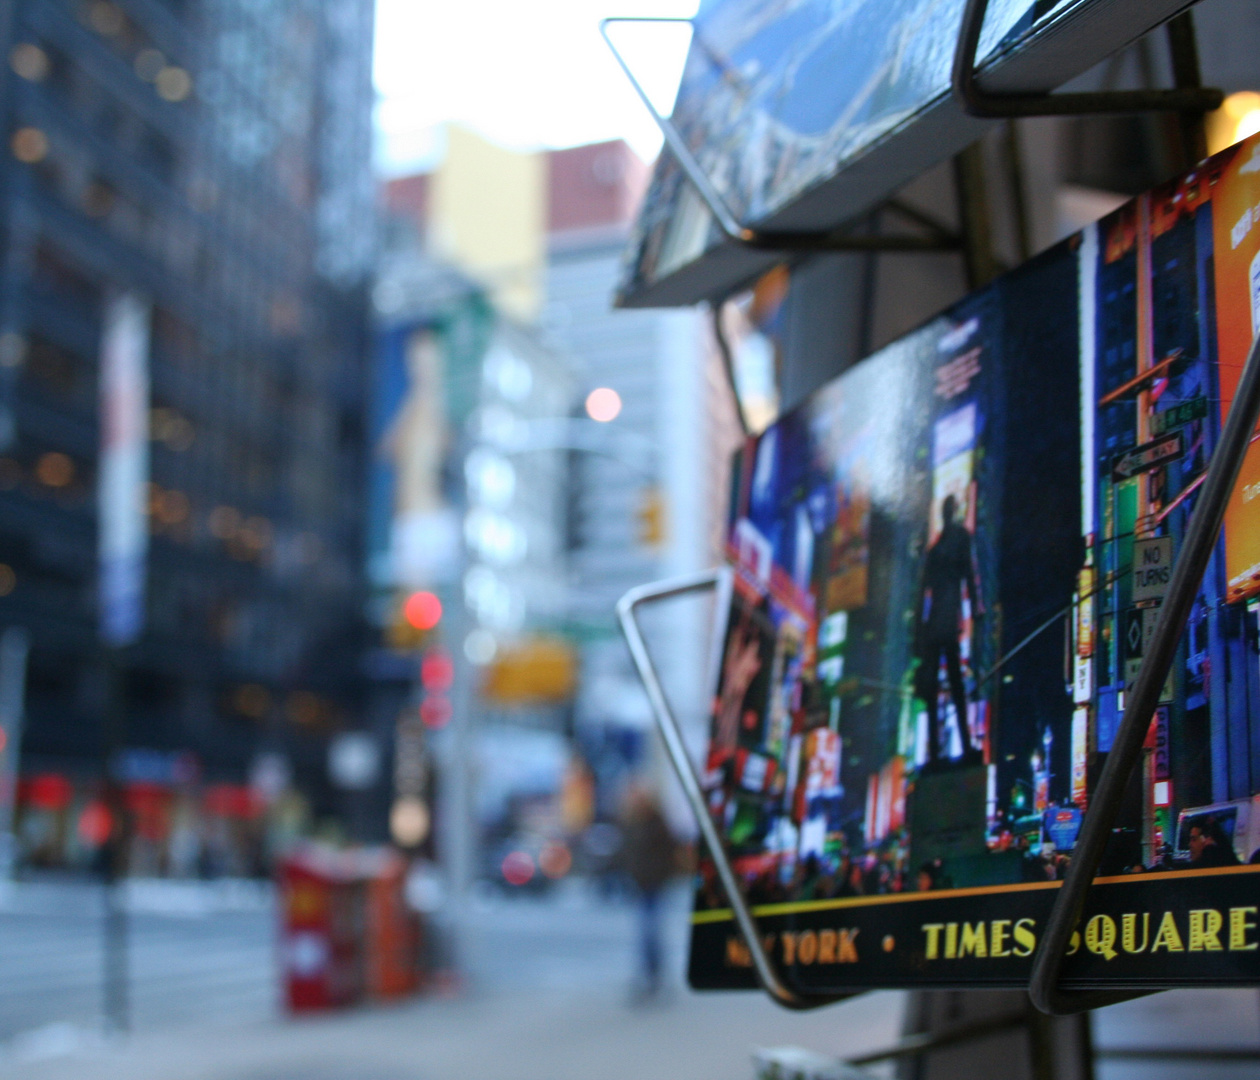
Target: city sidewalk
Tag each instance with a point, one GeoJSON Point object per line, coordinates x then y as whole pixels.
{"type": "Point", "coordinates": [550, 1035]}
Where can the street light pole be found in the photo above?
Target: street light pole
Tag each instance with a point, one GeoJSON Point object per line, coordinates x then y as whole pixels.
{"type": "Point", "coordinates": [117, 1004]}
{"type": "Point", "coordinates": [454, 748]}
{"type": "Point", "coordinates": [14, 647]}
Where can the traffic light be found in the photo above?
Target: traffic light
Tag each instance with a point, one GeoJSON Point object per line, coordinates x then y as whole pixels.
{"type": "Point", "coordinates": [651, 515]}
{"type": "Point", "coordinates": [423, 610]}
{"type": "Point", "coordinates": [437, 671]}
{"type": "Point", "coordinates": [416, 616]}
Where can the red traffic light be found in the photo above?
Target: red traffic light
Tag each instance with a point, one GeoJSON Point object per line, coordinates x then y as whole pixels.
{"type": "Point", "coordinates": [423, 610]}
{"type": "Point", "coordinates": [436, 711]}
{"type": "Point", "coordinates": [437, 672]}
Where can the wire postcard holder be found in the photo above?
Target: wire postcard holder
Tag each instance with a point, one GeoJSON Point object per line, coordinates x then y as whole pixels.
{"type": "Point", "coordinates": [1189, 99]}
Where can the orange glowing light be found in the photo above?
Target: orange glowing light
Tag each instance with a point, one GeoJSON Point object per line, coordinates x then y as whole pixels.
{"type": "Point", "coordinates": [423, 610]}
{"type": "Point", "coordinates": [555, 861]}
{"type": "Point", "coordinates": [54, 469]}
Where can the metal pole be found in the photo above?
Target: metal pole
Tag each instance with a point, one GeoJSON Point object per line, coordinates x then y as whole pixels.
{"type": "Point", "coordinates": [14, 648]}
{"type": "Point", "coordinates": [728, 364]}
{"type": "Point", "coordinates": [1041, 1055]}
{"type": "Point", "coordinates": [1187, 75]}
{"type": "Point", "coordinates": [976, 101]}
{"type": "Point", "coordinates": [454, 748]}
{"type": "Point", "coordinates": [973, 216]}
{"type": "Point", "coordinates": [117, 1002]}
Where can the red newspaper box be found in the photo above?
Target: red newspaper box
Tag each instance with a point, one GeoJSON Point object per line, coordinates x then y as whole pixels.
{"type": "Point", "coordinates": [393, 930]}
{"type": "Point", "coordinates": [348, 932]}
{"type": "Point", "coordinates": [322, 939]}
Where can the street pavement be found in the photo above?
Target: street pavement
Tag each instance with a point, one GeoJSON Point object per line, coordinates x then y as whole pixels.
{"type": "Point", "coordinates": [195, 951]}
{"type": "Point", "coordinates": [547, 1035]}
{"type": "Point", "coordinates": [547, 996]}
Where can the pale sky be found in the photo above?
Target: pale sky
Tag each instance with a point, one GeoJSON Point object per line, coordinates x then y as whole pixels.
{"type": "Point", "coordinates": [525, 75]}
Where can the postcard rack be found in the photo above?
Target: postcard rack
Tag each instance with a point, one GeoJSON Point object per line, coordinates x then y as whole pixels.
{"type": "Point", "coordinates": [1189, 99]}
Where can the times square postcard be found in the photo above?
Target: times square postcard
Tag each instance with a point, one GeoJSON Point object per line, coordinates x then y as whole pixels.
{"type": "Point", "coordinates": [946, 564]}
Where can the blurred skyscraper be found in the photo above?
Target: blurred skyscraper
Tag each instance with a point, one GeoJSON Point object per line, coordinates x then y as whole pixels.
{"type": "Point", "coordinates": [187, 227]}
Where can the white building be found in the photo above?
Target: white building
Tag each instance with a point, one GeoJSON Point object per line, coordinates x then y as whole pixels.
{"type": "Point", "coordinates": [650, 504]}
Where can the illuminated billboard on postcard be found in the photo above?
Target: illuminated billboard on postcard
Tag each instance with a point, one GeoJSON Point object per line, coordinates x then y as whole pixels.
{"type": "Point", "coordinates": [806, 113]}
{"type": "Point", "coordinates": [946, 565]}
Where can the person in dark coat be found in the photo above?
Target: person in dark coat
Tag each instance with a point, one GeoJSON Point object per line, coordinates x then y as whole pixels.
{"type": "Point", "coordinates": [649, 857]}
{"type": "Point", "coordinates": [947, 569]}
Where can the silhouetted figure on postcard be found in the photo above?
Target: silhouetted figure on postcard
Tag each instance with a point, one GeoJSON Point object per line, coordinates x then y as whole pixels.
{"type": "Point", "coordinates": [947, 568]}
{"type": "Point", "coordinates": [1209, 846]}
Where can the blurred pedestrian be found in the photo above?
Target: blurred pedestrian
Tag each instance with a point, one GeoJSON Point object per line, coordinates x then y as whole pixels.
{"type": "Point", "coordinates": [649, 856]}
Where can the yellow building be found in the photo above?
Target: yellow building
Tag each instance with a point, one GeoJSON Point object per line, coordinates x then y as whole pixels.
{"type": "Point", "coordinates": [488, 217]}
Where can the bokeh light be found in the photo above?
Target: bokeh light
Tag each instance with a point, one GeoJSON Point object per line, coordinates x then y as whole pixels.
{"type": "Point", "coordinates": [603, 404]}
{"type": "Point", "coordinates": [54, 469]}
{"type": "Point", "coordinates": [173, 84]}
{"type": "Point", "coordinates": [29, 61]}
{"type": "Point", "coordinates": [437, 672]}
{"type": "Point", "coordinates": [1238, 117]}
{"type": "Point", "coordinates": [423, 610]}
{"type": "Point", "coordinates": [555, 861]}
{"type": "Point", "coordinates": [29, 145]}
{"type": "Point", "coordinates": [1244, 109]}
{"type": "Point", "coordinates": [435, 712]}
{"type": "Point", "coordinates": [409, 821]}
{"type": "Point", "coordinates": [518, 868]}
